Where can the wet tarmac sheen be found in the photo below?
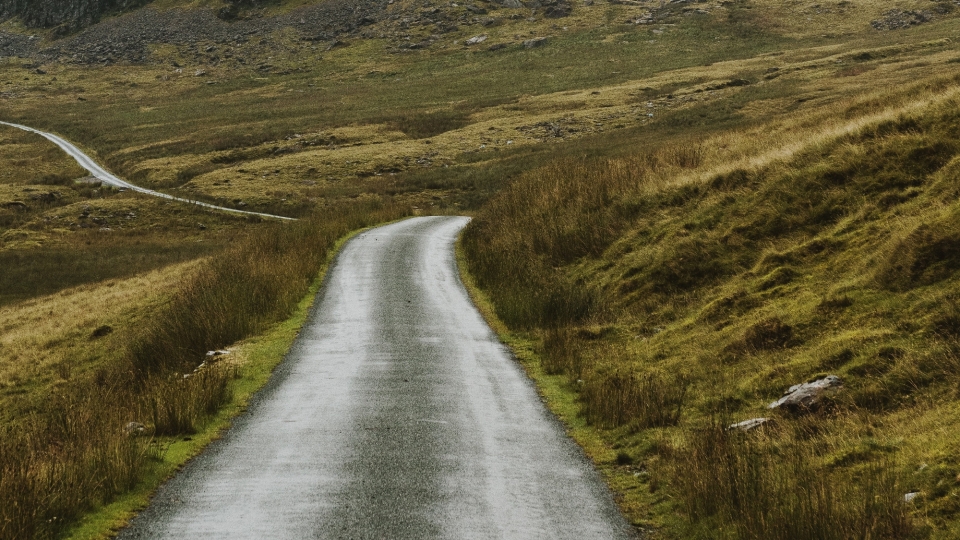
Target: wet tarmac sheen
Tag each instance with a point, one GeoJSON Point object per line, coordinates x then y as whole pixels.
{"type": "Point", "coordinates": [397, 414]}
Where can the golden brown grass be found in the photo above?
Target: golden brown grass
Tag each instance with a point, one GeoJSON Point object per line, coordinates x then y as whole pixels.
{"type": "Point", "coordinates": [831, 254]}
{"type": "Point", "coordinates": [287, 142]}
{"type": "Point", "coordinates": [48, 341]}
{"type": "Point", "coordinates": [65, 449]}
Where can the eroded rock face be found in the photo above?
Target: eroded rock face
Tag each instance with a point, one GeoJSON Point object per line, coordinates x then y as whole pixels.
{"type": "Point", "coordinates": [896, 19]}
{"type": "Point", "coordinates": [127, 38]}
{"type": "Point", "coordinates": [71, 13]}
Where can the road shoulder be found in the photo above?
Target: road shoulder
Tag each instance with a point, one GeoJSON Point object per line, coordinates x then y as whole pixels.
{"type": "Point", "coordinates": [561, 400]}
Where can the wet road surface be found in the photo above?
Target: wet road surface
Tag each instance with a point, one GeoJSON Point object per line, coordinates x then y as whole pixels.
{"type": "Point", "coordinates": [396, 414]}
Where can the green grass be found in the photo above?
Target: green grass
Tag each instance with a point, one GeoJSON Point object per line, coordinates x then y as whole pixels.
{"type": "Point", "coordinates": [37, 272]}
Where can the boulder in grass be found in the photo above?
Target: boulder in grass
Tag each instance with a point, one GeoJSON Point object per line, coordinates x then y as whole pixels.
{"type": "Point", "coordinates": [806, 396]}
{"type": "Point", "coordinates": [558, 11]}
{"type": "Point", "coordinates": [535, 42]}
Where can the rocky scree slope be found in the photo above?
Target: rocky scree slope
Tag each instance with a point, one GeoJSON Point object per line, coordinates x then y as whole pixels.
{"type": "Point", "coordinates": [416, 24]}
{"type": "Point", "coordinates": [68, 13]}
{"type": "Point", "coordinates": [127, 38]}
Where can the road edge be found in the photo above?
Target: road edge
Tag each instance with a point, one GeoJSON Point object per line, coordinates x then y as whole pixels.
{"type": "Point", "coordinates": [561, 401]}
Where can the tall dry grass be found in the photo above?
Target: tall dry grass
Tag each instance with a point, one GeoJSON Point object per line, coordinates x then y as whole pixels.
{"type": "Point", "coordinates": [639, 400]}
{"type": "Point", "coordinates": [247, 287]}
{"type": "Point", "coordinates": [74, 453]}
{"type": "Point", "coordinates": [551, 217]}
{"type": "Point", "coordinates": [770, 488]}
{"type": "Point", "coordinates": [642, 245]}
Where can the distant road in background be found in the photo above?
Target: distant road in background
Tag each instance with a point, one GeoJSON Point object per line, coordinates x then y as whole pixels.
{"type": "Point", "coordinates": [109, 179]}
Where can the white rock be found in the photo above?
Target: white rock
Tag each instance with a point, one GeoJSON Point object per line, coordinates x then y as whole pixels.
{"type": "Point", "coordinates": [134, 428]}
{"type": "Point", "coordinates": [747, 425]}
{"type": "Point", "coordinates": [807, 395]}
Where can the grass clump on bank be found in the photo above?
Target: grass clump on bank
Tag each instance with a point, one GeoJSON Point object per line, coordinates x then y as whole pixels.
{"type": "Point", "coordinates": [766, 486]}
{"type": "Point", "coordinates": [669, 282]}
{"type": "Point", "coordinates": [247, 287]}
{"type": "Point", "coordinates": [76, 450]}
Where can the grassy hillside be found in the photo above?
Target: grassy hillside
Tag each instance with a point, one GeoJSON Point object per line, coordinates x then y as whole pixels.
{"type": "Point", "coordinates": [682, 210]}
{"type": "Point", "coordinates": [678, 294]}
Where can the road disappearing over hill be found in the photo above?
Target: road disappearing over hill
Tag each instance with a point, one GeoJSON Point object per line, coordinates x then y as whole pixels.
{"type": "Point", "coordinates": [110, 179]}
{"type": "Point", "coordinates": [396, 414]}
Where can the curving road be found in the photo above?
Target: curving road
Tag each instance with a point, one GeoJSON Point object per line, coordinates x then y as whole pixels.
{"type": "Point", "coordinates": [396, 414]}
{"type": "Point", "coordinates": [104, 176]}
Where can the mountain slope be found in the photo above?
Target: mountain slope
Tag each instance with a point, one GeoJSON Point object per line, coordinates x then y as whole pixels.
{"type": "Point", "coordinates": [706, 278]}
{"type": "Point", "coordinates": [71, 13]}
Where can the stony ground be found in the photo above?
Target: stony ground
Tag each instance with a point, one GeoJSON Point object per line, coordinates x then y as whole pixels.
{"type": "Point", "coordinates": [129, 38]}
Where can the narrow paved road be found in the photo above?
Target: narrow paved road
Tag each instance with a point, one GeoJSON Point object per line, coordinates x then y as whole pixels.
{"type": "Point", "coordinates": [397, 414]}
{"type": "Point", "coordinates": [109, 179]}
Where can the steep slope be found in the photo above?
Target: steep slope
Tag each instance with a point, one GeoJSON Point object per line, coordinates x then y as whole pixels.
{"type": "Point", "coordinates": [685, 289]}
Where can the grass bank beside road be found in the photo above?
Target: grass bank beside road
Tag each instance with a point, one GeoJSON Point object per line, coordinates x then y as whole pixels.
{"type": "Point", "coordinates": [70, 453]}
{"type": "Point", "coordinates": [674, 295]}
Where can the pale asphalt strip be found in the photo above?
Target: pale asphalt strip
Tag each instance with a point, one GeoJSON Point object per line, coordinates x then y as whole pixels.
{"type": "Point", "coordinates": [396, 414]}
{"type": "Point", "coordinates": [106, 177]}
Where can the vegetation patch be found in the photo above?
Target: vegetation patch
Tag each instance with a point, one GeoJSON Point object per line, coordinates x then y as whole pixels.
{"type": "Point", "coordinates": [683, 211]}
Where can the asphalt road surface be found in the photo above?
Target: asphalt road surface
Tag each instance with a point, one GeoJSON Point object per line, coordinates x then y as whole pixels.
{"type": "Point", "coordinates": [109, 179]}
{"type": "Point", "coordinates": [397, 414]}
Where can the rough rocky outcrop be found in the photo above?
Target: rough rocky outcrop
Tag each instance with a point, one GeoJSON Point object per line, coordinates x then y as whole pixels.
{"type": "Point", "coordinates": [68, 13]}
{"type": "Point", "coordinates": [128, 38]}
{"type": "Point", "coordinates": [896, 19]}
{"type": "Point", "coordinates": [535, 42]}
{"type": "Point", "coordinates": [749, 425]}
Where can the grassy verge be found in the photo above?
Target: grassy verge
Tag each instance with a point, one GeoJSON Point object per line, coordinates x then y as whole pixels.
{"type": "Point", "coordinates": [562, 399]}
